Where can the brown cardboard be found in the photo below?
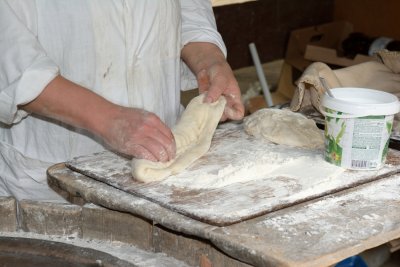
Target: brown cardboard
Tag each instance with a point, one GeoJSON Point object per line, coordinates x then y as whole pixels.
{"type": "Point", "coordinates": [320, 43]}
{"type": "Point", "coordinates": [330, 56]}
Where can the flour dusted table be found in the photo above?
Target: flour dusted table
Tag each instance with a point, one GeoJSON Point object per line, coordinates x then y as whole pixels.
{"type": "Point", "coordinates": [318, 230]}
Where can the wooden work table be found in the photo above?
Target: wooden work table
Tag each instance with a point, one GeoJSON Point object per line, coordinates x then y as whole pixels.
{"type": "Point", "coordinates": [318, 232]}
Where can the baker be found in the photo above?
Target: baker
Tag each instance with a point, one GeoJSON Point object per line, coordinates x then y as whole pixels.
{"type": "Point", "coordinates": [78, 77]}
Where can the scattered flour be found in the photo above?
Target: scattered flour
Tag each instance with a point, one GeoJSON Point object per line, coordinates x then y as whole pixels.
{"type": "Point", "coordinates": [262, 165]}
{"type": "Point", "coordinates": [369, 209]}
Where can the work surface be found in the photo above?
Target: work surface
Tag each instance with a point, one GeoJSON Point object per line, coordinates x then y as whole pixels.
{"type": "Point", "coordinates": [320, 232]}
{"type": "Point", "coordinates": [317, 232]}
{"type": "Point", "coordinates": [267, 177]}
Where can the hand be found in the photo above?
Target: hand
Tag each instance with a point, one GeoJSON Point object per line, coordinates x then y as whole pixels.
{"type": "Point", "coordinates": [214, 76]}
{"type": "Point", "coordinates": [140, 134]}
{"type": "Point", "coordinates": [218, 80]}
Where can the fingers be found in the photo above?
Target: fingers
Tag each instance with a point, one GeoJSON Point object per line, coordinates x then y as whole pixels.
{"type": "Point", "coordinates": [162, 145]}
{"type": "Point", "coordinates": [229, 88]}
{"type": "Point", "coordinates": [150, 149]}
{"type": "Point", "coordinates": [141, 134]}
{"type": "Point", "coordinates": [157, 139]}
{"type": "Point", "coordinates": [215, 90]}
{"type": "Point", "coordinates": [140, 152]}
{"type": "Point", "coordinates": [234, 109]}
{"type": "Point", "coordinates": [203, 81]}
{"type": "Point", "coordinates": [233, 112]}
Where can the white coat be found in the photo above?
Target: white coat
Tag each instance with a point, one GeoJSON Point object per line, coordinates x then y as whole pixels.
{"type": "Point", "coordinates": [127, 51]}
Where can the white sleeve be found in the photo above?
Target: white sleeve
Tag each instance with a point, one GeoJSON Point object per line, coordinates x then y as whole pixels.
{"type": "Point", "coordinates": [198, 25]}
{"type": "Point", "coordinates": [25, 69]}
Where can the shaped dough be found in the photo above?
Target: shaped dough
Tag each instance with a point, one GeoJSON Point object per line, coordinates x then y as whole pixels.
{"type": "Point", "coordinates": [193, 135]}
{"type": "Point", "coordinates": [284, 127]}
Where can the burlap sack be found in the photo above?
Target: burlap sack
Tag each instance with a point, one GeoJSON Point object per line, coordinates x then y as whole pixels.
{"type": "Point", "coordinates": [381, 74]}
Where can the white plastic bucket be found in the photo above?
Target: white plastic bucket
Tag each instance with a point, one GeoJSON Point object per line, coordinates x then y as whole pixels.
{"type": "Point", "coordinates": [358, 124]}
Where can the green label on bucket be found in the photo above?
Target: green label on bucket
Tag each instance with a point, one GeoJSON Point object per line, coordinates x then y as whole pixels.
{"type": "Point", "coordinates": [357, 143]}
{"type": "Point", "coordinates": [333, 150]}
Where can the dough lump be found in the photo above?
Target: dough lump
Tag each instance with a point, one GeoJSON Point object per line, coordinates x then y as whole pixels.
{"type": "Point", "coordinates": [193, 134]}
{"type": "Point", "coordinates": [284, 127]}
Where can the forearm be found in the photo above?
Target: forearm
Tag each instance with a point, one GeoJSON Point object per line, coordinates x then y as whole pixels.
{"type": "Point", "coordinates": [200, 56]}
{"type": "Point", "coordinates": [130, 131]}
{"type": "Point", "coordinates": [72, 104]}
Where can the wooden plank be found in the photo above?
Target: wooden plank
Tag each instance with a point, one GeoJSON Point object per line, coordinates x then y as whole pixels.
{"type": "Point", "coordinates": [321, 232]}
{"type": "Point", "coordinates": [394, 245]}
{"type": "Point", "coordinates": [238, 201]}
{"type": "Point", "coordinates": [46, 218]}
{"type": "Point", "coordinates": [93, 191]}
{"type": "Point", "coordinates": [8, 211]}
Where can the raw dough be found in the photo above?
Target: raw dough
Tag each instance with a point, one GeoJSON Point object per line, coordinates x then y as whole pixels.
{"type": "Point", "coordinates": [284, 127]}
{"type": "Point", "coordinates": [193, 135]}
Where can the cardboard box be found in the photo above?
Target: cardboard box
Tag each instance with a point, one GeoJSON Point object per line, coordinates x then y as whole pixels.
{"type": "Point", "coordinates": [321, 43]}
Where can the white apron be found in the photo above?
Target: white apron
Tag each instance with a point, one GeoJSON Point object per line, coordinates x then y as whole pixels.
{"type": "Point", "coordinates": [126, 51]}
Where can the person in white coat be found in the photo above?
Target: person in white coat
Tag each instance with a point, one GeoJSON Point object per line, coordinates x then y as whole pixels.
{"type": "Point", "coordinates": [81, 76]}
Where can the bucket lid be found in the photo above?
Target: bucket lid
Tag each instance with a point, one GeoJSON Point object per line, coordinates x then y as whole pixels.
{"type": "Point", "coordinates": [361, 101]}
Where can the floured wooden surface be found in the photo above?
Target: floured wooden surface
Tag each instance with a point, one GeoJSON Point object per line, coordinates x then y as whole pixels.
{"type": "Point", "coordinates": [321, 232]}
{"type": "Point", "coordinates": [316, 233]}
{"type": "Point", "coordinates": [249, 181]}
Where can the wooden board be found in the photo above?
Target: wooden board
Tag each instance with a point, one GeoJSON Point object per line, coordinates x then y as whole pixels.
{"type": "Point", "coordinates": [319, 232]}
{"type": "Point", "coordinates": [236, 202]}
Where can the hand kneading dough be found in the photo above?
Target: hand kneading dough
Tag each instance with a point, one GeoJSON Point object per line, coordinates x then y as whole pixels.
{"type": "Point", "coordinates": [284, 127]}
{"type": "Point", "coordinates": [193, 135]}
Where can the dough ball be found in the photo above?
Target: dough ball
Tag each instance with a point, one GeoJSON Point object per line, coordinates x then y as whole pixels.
{"type": "Point", "coordinates": [284, 127]}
